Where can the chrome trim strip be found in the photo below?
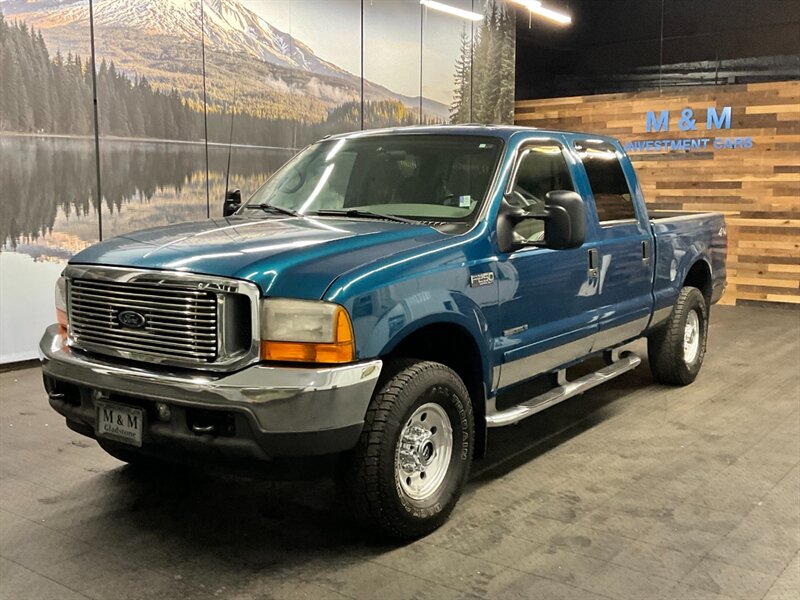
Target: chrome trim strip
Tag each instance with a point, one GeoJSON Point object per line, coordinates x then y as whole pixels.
{"type": "Point", "coordinates": [174, 281]}
{"type": "Point", "coordinates": [281, 399]}
{"type": "Point", "coordinates": [542, 362]}
{"type": "Point", "coordinates": [606, 338]}
{"type": "Point", "coordinates": [615, 222]}
{"type": "Point", "coordinates": [568, 389]}
{"type": "Point", "coordinates": [661, 315]}
{"type": "Point", "coordinates": [549, 360]}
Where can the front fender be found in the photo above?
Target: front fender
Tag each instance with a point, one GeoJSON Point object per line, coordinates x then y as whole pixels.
{"type": "Point", "coordinates": [469, 318]}
{"type": "Point", "coordinates": [384, 318]}
{"type": "Point", "coordinates": [388, 302]}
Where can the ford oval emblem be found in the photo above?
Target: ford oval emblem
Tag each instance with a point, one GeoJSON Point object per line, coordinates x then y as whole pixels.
{"type": "Point", "coordinates": [131, 318]}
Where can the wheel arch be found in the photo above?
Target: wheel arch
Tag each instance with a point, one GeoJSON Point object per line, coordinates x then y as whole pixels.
{"type": "Point", "coordinates": [455, 346]}
{"type": "Point", "coordinates": [699, 276]}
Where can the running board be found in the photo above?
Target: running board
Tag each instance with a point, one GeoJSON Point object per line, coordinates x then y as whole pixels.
{"type": "Point", "coordinates": [567, 389]}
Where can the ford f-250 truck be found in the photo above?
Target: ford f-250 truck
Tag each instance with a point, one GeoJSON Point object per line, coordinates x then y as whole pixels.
{"type": "Point", "coordinates": [384, 299]}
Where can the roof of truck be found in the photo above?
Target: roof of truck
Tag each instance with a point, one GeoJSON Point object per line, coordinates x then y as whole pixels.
{"type": "Point", "coordinates": [501, 131]}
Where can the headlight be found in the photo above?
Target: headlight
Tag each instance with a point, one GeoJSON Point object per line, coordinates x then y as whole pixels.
{"type": "Point", "coordinates": [61, 302]}
{"type": "Point", "coordinates": [305, 331]}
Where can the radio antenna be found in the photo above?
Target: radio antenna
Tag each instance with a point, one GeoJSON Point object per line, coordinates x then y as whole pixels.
{"type": "Point", "coordinates": [230, 138]}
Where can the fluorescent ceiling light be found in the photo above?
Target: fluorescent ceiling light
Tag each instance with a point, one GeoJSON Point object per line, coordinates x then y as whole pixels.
{"type": "Point", "coordinates": [536, 7]}
{"type": "Point", "coordinates": [452, 10]}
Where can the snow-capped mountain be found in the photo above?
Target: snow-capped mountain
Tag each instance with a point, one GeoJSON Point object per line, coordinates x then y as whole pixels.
{"type": "Point", "coordinates": [230, 29]}
{"type": "Point", "coordinates": [229, 26]}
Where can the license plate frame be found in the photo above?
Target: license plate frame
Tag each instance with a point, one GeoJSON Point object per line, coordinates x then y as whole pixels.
{"type": "Point", "coordinates": [119, 422]}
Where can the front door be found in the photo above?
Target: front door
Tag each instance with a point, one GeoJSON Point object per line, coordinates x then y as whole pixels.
{"type": "Point", "coordinates": [547, 305]}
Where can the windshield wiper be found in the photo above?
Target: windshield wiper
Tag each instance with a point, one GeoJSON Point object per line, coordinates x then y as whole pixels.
{"type": "Point", "coordinates": [278, 209]}
{"type": "Point", "coordinates": [354, 213]}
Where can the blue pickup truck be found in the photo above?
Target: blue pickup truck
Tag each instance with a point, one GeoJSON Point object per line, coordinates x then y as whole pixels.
{"type": "Point", "coordinates": [381, 301]}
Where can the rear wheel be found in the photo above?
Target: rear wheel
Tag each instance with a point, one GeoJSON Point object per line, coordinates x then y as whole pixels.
{"type": "Point", "coordinates": [677, 349]}
{"type": "Point", "coordinates": [406, 473]}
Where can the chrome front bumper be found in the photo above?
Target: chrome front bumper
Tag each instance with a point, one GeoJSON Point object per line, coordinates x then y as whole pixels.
{"type": "Point", "coordinates": [291, 411]}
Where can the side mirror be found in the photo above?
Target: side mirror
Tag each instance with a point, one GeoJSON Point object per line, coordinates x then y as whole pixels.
{"type": "Point", "coordinates": [233, 200]}
{"type": "Point", "coordinates": [564, 223]}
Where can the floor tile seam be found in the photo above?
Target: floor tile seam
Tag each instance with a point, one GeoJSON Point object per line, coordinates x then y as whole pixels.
{"type": "Point", "coordinates": [428, 579]}
{"type": "Point", "coordinates": [686, 501]}
{"type": "Point", "coordinates": [758, 502]}
{"type": "Point", "coordinates": [611, 559]}
{"type": "Point", "coordinates": [738, 456]}
{"type": "Point", "coordinates": [697, 587]}
{"type": "Point", "coordinates": [562, 582]}
{"type": "Point", "coordinates": [544, 440]}
{"type": "Point", "coordinates": [34, 483]}
{"type": "Point", "coordinates": [103, 546]}
{"type": "Point", "coordinates": [575, 586]}
{"type": "Point", "coordinates": [294, 576]}
{"type": "Point", "coordinates": [749, 568]}
{"type": "Point", "coordinates": [48, 578]}
{"type": "Point", "coordinates": [43, 524]}
{"type": "Point", "coordinates": [707, 554]}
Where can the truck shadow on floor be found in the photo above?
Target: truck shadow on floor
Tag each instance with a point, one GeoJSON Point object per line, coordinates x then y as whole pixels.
{"type": "Point", "coordinates": [226, 528]}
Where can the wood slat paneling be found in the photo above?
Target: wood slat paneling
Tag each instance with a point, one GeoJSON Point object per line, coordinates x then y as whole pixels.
{"type": "Point", "coordinates": [758, 188]}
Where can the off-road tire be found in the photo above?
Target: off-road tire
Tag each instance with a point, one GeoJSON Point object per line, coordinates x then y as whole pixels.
{"type": "Point", "coordinates": [371, 491]}
{"type": "Point", "coordinates": [665, 345]}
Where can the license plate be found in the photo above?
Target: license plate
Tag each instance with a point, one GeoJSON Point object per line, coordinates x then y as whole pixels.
{"type": "Point", "coordinates": [121, 423]}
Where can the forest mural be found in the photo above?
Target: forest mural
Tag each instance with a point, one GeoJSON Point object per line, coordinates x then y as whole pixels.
{"type": "Point", "coordinates": [176, 80]}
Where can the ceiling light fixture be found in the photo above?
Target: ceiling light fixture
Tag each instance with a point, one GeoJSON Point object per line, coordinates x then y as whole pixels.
{"type": "Point", "coordinates": [452, 10]}
{"type": "Point", "coordinates": [536, 7]}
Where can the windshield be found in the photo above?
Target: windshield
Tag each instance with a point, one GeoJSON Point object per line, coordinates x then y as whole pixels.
{"type": "Point", "coordinates": [424, 177]}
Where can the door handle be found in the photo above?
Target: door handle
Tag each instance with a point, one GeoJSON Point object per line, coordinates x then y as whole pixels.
{"type": "Point", "coordinates": [594, 261]}
{"type": "Point", "coordinates": [646, 252]}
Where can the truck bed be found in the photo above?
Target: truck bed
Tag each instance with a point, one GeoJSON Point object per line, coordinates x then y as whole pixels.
{"type": "Point", "coordinates": [680, 237]}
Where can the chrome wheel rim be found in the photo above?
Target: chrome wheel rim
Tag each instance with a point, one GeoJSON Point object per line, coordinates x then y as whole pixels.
{"type": "Point", "coordinates": [691, 337]}
{"type": "Point", "coordinates": [423, 452]}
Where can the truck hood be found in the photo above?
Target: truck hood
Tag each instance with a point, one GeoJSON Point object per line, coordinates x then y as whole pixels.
{"type": "Point", "coordinates": [290, 257]}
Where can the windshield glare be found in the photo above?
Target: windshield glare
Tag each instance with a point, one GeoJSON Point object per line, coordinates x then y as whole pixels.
{"type": "Point", "coordinates": [426, 177]}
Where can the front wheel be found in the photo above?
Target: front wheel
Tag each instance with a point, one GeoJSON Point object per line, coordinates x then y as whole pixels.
{"type": "Point", "coordinates": [408, 469]}
{"type": "Point", "coordinates": [677, 349]}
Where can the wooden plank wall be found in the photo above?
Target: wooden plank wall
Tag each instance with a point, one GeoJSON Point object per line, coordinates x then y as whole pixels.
{"type": "Point", "coordinates": [758, 188]}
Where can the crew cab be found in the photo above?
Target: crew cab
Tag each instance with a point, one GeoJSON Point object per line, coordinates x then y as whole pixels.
{"type": "Point", "coordinates": [383, 300]}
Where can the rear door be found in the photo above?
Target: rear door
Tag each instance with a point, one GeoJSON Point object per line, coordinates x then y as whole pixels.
{"type": "Point", "coordinates": [624, 267]}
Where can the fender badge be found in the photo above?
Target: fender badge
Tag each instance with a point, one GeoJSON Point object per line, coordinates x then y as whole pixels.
{"type": "Point", "coordinates": [515, 330]}
{"type": "Point", "coordinates": [481, 279]}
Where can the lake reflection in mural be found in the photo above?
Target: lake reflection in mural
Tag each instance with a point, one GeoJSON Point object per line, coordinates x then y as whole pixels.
{"type": "Point", "coordinates": [47, 212]}
{"type": "Point", "coordinates": [48, 190]}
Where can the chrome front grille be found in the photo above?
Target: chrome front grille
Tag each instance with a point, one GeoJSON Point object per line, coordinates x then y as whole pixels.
{"type": "Point", "coordinates": [163, 320]}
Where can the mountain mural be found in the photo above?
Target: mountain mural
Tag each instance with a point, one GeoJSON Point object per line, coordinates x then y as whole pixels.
{"type": "Point", "coordinates": [161, 161]}
{"type": "Point", "coordinates": [273, 74]}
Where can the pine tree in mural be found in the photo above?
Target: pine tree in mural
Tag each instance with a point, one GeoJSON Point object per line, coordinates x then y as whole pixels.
{"type": "Point", "coordinates": [461, 108]}
{"type": "Point", "coordinates": [488, 65]}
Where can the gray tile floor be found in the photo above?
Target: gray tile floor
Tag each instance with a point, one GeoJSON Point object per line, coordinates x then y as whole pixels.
{"type": "Point", "coordinates": [633, 491]}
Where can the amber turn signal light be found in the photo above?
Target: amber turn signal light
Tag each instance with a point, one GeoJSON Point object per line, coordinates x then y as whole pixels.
{"type": "Point", "coordinates": [341, 350]}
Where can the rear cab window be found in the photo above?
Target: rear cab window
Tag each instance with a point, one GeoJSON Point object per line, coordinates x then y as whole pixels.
{"type": "Point", "coordinates": [612, 194]}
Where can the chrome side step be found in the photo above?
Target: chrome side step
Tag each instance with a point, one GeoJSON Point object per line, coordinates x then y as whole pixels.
{"type": "Point", "coordinates": [625, 362]}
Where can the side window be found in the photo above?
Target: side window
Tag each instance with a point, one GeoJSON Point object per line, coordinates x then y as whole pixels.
{"type": "Point", "coordinates": [542, 169]}
{"type": "Point", "coordinates": [612, 196]}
